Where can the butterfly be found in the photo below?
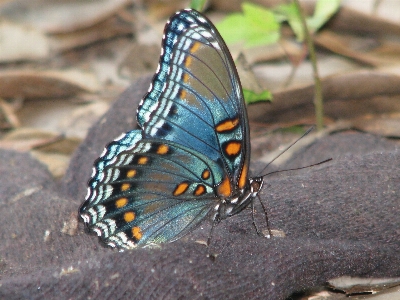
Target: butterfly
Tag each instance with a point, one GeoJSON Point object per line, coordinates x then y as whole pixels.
{"type": "Point", "coordinates": [190, 159]}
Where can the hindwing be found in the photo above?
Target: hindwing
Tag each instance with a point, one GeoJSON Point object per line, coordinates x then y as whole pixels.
{"type": "Point", "coordinates": [147, 191]}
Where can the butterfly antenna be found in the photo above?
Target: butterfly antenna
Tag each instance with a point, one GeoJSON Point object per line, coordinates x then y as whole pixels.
{"type": "Point", "coordinates": [290, 146]}
{"type": "Point", "coordinates": [305, 167]}
{"type": "Point", "coordinates": [279, 171]}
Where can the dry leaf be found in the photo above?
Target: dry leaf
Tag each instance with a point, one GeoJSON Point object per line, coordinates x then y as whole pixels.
{"type": "Point", "coordinates": [385, 125]}
{"type": "Point", "coordinates": [61, 16]}
{"type": "Point", "coordinates": [339, 45]}
{"type": "Point", "coordinates": [56, 163]}
{"type": "Point", "coordinates": [246, 74]}
{"type": "Point", "coordinates": [18, 42]}
{"type": "Point", "coordinates": [345, 87]}
{"type": "Point", "coordinates": [30, 84]}
{"type": "Point", "coordinates": [351, 21]}
{"type": "Point", "coordinates": [140, 60]}
{"type": "Point", "coordinates": [25, 139]}
{"type": "Point", "coordinates": [8, 119]}
{"type": "Point", "coordinates": [352, 285]}
{"type": "Point", "coordinates": [105, 30]}
{"type": "Point", "coordinates": [285, 48]}
{"type": "Point", "coordinates": [82, 118]}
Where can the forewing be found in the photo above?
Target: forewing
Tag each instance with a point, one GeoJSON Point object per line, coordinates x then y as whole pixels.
{"type": "Point", "coordinates": [196, 98]}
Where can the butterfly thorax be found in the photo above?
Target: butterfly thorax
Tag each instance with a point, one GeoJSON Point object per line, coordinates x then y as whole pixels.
{"type": "Point", "coordinates": [235, 204]}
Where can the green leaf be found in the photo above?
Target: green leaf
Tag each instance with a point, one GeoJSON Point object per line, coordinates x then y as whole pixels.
{"type": "Point", "coordinates": [324, 10]}
{"type": "Point", "coordinates": [252, 97]}
{"type": "Point", "coordinates": [299, 129]}
{"type": "Point", "coordinates": [198, 4]}
{"type": "Point", "coordinates": [290, 13]}
{"type": "Point", "coordinates": [256, 26]}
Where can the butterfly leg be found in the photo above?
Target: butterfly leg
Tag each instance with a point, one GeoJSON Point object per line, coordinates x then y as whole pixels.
{"type": "Point", "coordinates": [266, 219]}
{"type": "Point", "coordinates": [253, 212]}
{"type": "Point", "coordinates": [215, 222]}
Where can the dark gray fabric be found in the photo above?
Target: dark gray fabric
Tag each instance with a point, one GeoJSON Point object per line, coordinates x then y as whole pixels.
{"type": "Point", "coordinates": [340, 218]}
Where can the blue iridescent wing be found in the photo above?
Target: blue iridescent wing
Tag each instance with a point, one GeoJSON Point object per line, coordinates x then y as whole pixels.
{"type": "Point", "coordinates": [156, 184]}
{"type": "Point", "coordinates": [196, 99]}
{"type": "Point", "coordinates": [147, 191]}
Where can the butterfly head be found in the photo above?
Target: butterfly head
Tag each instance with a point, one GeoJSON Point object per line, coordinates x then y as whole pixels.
{"type": "Point", "coordinates": [255, 185]}
{"type": "Point", "coordinates": [233, 205]}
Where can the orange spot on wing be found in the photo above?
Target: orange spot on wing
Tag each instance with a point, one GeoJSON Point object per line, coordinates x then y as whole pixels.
{"type": "Point", "coordinates": [181, 188]}
{"type": "Point", "coordinates": [243, 177]}
{"type": "Point", "coordinates": [185, 78]}
{"type": "Point", "coordinates": [227, 125]}
{"type": "Point", "coordinates": [125, 186]}
{"type": "Point", "coordinates": [137, 233]}
{"type": "Point", "coordinates": [183, 94]}
{"type": "Point", "coordinates": [233, 148]}
{"type": "Point", "coordinates": [188, 61]}
{"type": "Point", "coordinates": [200, 190]}
{"type": "Point", "coordinates": [129, 216]}
{"type": "Point", "coordinates": [131, 173]}
{"type": "Point", "coordinates": [143, 160]}
{"type": "Point", "coordinates": [205, 174]}
{"type": "Point", "coordinates": [224, 188]}
{"type": "Point", "coordinates": [121, 202]}
{"type": "Point", "coordinates": [195, 47]}
{"type": "Point", "coordinates": [162, 149]}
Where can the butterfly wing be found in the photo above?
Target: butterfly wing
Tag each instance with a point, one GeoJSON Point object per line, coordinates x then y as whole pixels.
{"type": "Point", "coordinates": [146, 191]}
{"type": "Point", "coordinates": [154, 185]}
{"type": "Point", "coordinates": [196, 99]}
